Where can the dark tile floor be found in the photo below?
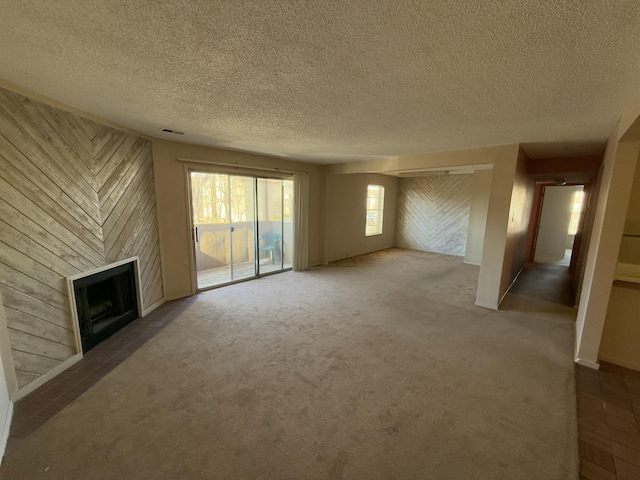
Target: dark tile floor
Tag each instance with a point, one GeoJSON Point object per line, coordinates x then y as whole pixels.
{"type": "Point", "coordinates": [32, 411]}
{"type": "Point", "coordinates": [608, 419]}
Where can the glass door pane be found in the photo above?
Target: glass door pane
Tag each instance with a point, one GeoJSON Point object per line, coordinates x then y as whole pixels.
{"type": "Point", "coordinates": [270, 233]}
{"type": "Point", "coordinates": [287, 223]}
{"type": "Point", "coordinates": [211, 224]}
{"type": "Point", "coordinates": [243, 246]}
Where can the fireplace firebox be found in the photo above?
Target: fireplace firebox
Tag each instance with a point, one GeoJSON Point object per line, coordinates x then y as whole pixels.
{"type": "Point", "coordinates": [105, 302]}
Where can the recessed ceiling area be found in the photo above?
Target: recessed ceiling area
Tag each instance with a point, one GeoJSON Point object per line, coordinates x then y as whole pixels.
{"type": "Point", "coordinates": [335, 81]}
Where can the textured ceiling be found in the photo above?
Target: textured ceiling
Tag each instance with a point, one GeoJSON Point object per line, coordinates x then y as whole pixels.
{"type": "Point", "coordinates": [336, 80]}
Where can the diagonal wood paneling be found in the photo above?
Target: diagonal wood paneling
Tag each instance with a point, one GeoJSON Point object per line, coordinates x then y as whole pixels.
{"type": "Point", "coordinates": [433, 213]}
{"type": "Point", "coordinates": [74, 195]}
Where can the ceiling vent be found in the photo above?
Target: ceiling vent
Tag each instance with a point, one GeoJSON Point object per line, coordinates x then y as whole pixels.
{"type": "Point", "coordinates": [168, 130]}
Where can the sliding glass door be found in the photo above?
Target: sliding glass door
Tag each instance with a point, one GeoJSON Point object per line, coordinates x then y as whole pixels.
{"type": "Point", "coordinates": [242, 227]}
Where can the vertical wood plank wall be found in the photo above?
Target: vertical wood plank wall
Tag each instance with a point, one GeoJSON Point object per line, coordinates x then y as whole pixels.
{"type": "Point", "coordinates": [433, 213]}
{"type": "Point", "coordinates": [74, 195]}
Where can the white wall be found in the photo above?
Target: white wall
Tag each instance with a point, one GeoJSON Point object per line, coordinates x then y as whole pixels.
{"type": "Point", "coordinates": [480, 191]}
{"type": "Point", "coordinates": [553, 229]}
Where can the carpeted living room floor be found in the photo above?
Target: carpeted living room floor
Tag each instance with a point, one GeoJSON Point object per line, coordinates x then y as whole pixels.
{"type": "Point", "coordinates": [380, 370]}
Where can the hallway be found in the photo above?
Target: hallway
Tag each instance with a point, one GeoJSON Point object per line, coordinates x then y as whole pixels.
{"type": "Point", "coordinates": [550, 283]}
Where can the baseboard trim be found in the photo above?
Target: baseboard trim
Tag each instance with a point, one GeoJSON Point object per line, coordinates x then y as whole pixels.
{"type": "Point", "coordinates": [45, 377]}
{"type": "Point", "coordinates": [509, 287]}
{"type": "Point", "coordinates": [150, 309]}
{"type": "Point", "coordinates": [622, 363]}
{"type": "Point", "coordinates": [486, 305]}
{"type": "Point", "coordinates": [587, 363]}
{"type": "Point", "coordinates": [5, 431]}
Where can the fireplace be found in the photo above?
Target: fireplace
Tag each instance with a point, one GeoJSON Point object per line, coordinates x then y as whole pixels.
{"type": "Point", "coordinates": [105, 301]}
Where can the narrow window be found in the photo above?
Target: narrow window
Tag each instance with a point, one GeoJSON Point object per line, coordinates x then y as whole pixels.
{"type": "Point", "coordinates": [576, 208]}
{"type": "Point", "coordinates": [375, 207]}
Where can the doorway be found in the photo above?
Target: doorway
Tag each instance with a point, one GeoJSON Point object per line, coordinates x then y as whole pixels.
{"type": "Point", "coordinates": [558, 224]}
{"type": "Point", "coordinates": [242, 227]}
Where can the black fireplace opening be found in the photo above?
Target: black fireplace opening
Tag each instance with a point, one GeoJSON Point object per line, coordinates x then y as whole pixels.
{"type": "Point", "coordinates": [106, 302]}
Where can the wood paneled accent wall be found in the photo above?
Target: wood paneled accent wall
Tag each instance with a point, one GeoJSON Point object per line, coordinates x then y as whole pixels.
{"type": "Point", "coordinates": [433, 213]}
{"type": "Point", "coordinates": [74, 195]}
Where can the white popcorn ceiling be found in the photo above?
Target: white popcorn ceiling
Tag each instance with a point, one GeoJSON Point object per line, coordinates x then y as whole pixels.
{"type": "Point", "coordinates": [336, 80]}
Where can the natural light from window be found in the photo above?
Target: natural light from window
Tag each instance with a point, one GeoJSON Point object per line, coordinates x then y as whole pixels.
{"type": "Point", "coordinates": [576, 208]}
{"type": "Point", "coordinates": [375, 207]}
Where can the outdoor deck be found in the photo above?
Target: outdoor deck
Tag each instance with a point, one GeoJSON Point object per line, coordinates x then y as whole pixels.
{"type": "Point", "coordinates": [218, 276]}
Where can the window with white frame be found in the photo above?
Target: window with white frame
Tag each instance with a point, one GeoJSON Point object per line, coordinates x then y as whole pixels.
{"type": "Point", "coordinates": [375, 208]}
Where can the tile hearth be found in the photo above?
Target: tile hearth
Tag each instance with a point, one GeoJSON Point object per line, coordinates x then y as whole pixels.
{"type": "Point", "coordinates": [35, 409]}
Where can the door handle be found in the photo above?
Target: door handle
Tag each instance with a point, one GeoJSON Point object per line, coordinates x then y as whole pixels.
{"type": "Point", "coordinates": [195, 234]}
{"type": "Point", "coordinates": [233, 229]}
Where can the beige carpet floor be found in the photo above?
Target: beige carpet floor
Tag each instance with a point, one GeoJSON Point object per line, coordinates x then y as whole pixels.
{"type": "Point", "coordinates": [382, 370]}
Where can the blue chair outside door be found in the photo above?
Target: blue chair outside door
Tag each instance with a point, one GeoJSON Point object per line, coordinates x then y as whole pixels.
{"type": "Point", "coordinates": [270, 244]}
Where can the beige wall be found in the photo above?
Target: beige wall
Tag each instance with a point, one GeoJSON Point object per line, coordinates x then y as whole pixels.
{"type": "Point", "coordinates": [630, 246]}
{"type": "Point", "coordinates": [621, 333]}
{"type": "Point", "coordinates": [172, 201]}
{"type": "Point", "coordinates": [615, 188]}
{"type": "Point", "coordinates": [346, 212]}
{"type": "Point", "coordinates": [616, 182]}
{"type": "Point", "coordinates": [480, 191]}
{"type": "Point", "coordinates": [633, 209]}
